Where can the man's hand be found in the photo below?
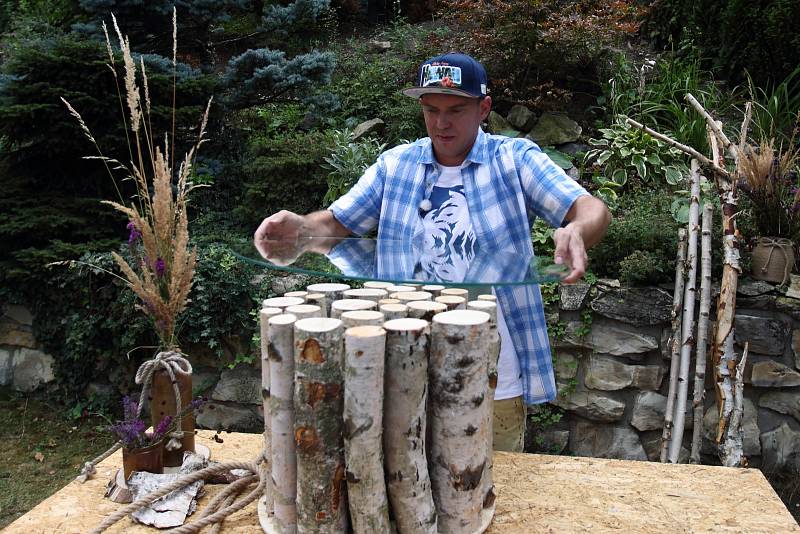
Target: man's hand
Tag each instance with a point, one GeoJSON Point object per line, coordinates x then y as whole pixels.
{"type": "Point", "coordinates": [282, 226]}
{"type": "Point", "coordinates": [570, 251]}
{"type": "Point", "coordinates": [278, 236]}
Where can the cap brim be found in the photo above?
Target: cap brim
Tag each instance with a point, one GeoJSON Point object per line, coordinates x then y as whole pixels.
{"type": "Point", "coordinates": [416, 92]}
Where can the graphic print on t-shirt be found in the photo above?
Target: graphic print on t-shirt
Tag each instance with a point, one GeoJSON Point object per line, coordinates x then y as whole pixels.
{"type": "Point", "coordinates": [449, 245]}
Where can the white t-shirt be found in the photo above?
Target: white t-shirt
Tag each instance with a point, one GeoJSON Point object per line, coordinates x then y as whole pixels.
{"type": "Point", "coordinates": [449, 248]}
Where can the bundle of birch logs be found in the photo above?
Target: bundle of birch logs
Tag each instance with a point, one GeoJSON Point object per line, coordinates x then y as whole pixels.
{"type": "Point", "coordinates": [378, 409]}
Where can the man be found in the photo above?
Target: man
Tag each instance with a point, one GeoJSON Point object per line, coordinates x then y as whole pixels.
{"type": "Point", "coordinates": [461, 185]}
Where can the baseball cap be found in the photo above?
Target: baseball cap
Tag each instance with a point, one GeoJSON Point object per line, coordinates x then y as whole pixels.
{"type": "Point", "coordinates": [450, 74]}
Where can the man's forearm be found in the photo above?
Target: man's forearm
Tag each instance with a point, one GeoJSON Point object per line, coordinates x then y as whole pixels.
{"type": "Point", "coordinates": [322, 224]}
{"type": "Point", "coordinates": [590, 217]}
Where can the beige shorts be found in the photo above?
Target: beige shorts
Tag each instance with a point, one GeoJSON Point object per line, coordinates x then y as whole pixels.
{"type": "Point", "coordinates": [509, 425]}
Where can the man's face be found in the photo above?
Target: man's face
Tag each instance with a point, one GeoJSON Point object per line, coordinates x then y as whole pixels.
{"type": "Point", "coordinates": [452, 123]}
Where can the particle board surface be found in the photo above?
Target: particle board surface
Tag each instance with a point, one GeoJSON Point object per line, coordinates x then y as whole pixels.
{"type": "Point", "coordinates": [536, 494]}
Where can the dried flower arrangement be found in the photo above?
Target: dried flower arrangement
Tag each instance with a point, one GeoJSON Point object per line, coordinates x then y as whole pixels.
{"type": "Point", "coordinates": [132, 432]}
{"type": "Point", "coordinates": [771, 180]}
{"type": "Point", "coordinates": [161, 276]}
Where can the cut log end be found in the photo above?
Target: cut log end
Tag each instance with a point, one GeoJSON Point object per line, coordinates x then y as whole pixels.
{"type": "Point", "coordinates": [365, 331]}
{"type": "Point", "coordinates": [283, 319]}
{"type": "Point", "coordinates": [461, 317]}
{"type": "Point", "coordinates": [318, 324]}
{"type": "Point", "coordinates": [281, 302]}
{"type": "Point", "coordinates": [403, 325]}
{"type": "Point", "coordinates": [327, 288]}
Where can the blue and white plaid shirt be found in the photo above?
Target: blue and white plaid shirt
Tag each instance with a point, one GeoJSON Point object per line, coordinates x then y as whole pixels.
{"type": "Point", "coordinates": [507, 184]}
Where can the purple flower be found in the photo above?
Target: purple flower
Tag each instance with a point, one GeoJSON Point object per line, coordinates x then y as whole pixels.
{"type": "Point", "coordinates": [197, 402]}
{"type": "Point", "coordinates": [160, 267]}
{"type": "Point", "coordinates": [134, 234]}
{"type": "Point", "coordinates": [162, 427]}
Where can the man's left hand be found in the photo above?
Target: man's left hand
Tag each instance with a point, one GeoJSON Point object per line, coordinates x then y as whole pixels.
{"type": "Point", "coordinates": [570, 251]}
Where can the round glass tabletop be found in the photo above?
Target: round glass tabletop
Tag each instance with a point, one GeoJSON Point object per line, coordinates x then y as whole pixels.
{"type": "Point", "coordinates": [401, 261]}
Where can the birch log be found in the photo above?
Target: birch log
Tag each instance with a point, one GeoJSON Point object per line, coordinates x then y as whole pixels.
{"type": "Point", "coordinates": [433, 289]}
{"type": "Point", "coordinates": [459, 388]}
{"type": "Point", "coordinates": [264, 316]}
{"type": "Point", "coordinates": [394, 311]}
{"type": "Point", "coordinates": [400, 289]}
{"type": "Point", "coordinates": [405, 405]}
{"type": "Point", "coordinates": [332, 292]}
{"type": "Point", "coordinates": [298, 294]}
{"type": "Point", "coordinates": [490, 298]}
{"type": "Point", "coordinates": [411, 296]}
{"type": "Point", "coordinates": [687, 323]}
{"type": "Point", "coordinates": [362, 318]}
{"type": "Point", "coordinates": [366, 293]}
{"type": "Point", "coordinates": [281, 302]}
{"type": "Point", "coordinates": [456, 292]}
{"type": "Point", "coordinates": [377, 285]}
{"type": "Point", "coordinates": [319, 299]}
{"type": "Point", "coordinates": [345, 305]}
{"type": "Point", "coordinates": [283, 464]}
{"type": "Point", "coordinates": [304, 311]}
{"type": "Point", "coordinates": [387, 301]}
{"type": "Point", "coordinates": [365, 349]}
{"type": "Point", "coordinates": [452, 302]}
{"type": "Point", "coordinates": [701, 352]}
{"type": "Point", "coordinates": [425, 309]}
{"type": "Point", "coordinates": [318, 404]}
{"type": "Point", "coordinates": [487, 482]}
{"type": "Point", "coordinates": [674, 367]}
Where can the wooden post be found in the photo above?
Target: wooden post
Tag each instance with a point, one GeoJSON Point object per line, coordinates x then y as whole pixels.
{"type": "Point", "coordinates": [281, 302]}
{"type": "Point", "coordinates": [366, 293]}
{"type": "Point", "coordinates": [283, 464]}
{"type": "Point", "coordinates": [405, 404]}
{"type": "Point", "coordinates": [365, 348]}
{"type": "Point", "coordinates": [394, 311]}
{"type": "Point", "coordinates": [687, 324]}
{"type": "Point", "coordinates": [264, 316]}
{"type": "Point", "coordinates": [318, 404]}
{"type": "Point", "coordinates": [332, 293]}
{"type": "Point", "coordinates": [674, 367]}
{"type": "Point", "coordinates": [459, 388]}
{"type": "Point", "coordinates": [362, 318]}
{"type": "Point", "coordinates": [411, 296]}
{"type": "Point", "coordinates": [452, 302]}
{"type": "Point", "coordinates": [304, 311]}
{"type": "Point", "coordinates": [345, 305]}
{"type": "Point", "coordinates": [425, 309]}
{"type": "Point", "coordinates": [701, 351]}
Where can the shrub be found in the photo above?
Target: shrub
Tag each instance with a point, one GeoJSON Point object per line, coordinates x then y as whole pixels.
{"type": "Point", "coordinates": [348, 161]}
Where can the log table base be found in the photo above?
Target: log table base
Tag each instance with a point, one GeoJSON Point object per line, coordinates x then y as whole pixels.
{"type": "Point", "coordinates": [536, 494]}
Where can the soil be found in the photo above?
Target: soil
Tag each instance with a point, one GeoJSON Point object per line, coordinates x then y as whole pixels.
{"type": "Point", "coordinates": [41, 450]}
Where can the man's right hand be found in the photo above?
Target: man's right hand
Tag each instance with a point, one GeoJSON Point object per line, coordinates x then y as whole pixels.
{"type": "Point", "coordinates": [282, 226]}
{"type": "Point", "coordinates": [278, 236]}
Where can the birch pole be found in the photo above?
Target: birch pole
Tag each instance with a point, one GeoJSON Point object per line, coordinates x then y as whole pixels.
{"type": "Point", "coordinates": [362, 318]}
{"type": "Point", "coordinates": [345, 305]}
{"type": "Point", "coordinates": [282, 302]}
{"type": "Point", "coordinates": [321, 300]}
{"type": "Point", "coordinates": [701, 352]}
{"type": "Point", "coordinates": [433, 289]}
{"type": "Point", "coordinates": [425, 309]}
{"type": "Point", "coordinates": [283, 464]}
{"type": "Point", "coordinates": [365, 349]}
{"type": "Point", "coordinates": [318, 404]}
{"type": "Point", "coordinates": [404, 423]}
{"type": "Point", "coordinates": [459, 388]}
{"type": "Point", "coordinates": [332, 292]}
{"type": "Point", "coordinates": [366, 293]}
{"type": "Point", "coordinates": [264, 316]}
{"type": "Point", "coordinates": [452, 302]}
{"type": "Point", "coordinates": [394, 311]}
{"type": "Point", "coordinates": [304, 311]}
{"type": "Point", "coordinates": [687, 323]}
{"type": "Point", "coordinates": [411, 296]}
{"type": "Point", "coordinates": [674, 367]}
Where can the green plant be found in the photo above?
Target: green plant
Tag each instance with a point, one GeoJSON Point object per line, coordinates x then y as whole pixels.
{"type": "Point", "coordinates": [348, 161]}
{"type": "Point", "coordinates": [543, 416]}
{"type": "Point", "coordinates": [775, 109]}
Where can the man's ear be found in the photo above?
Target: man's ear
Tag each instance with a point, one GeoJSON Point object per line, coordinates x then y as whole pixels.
{"type": "Point", "coordinates": [486, 107]}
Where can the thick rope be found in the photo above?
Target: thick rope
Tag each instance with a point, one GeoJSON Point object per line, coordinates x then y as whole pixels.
{"type": "Point", "coordinates": [171, 361]}
{"type": "Point", "coordinates": [178, 484]}
{"type": "Point", "coordinates": [225, 498]}
{"type": "Point", "coordinates": [781, 244]}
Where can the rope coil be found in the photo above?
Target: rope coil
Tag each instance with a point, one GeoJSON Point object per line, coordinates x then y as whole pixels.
{"type": "Point", "coordinates": [771, 271]}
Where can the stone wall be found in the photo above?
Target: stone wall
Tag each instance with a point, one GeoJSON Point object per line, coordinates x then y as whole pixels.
{"type": "Point", "coordinates": [611, 356]}
{"type": "Point", "coordinates": [611, 349]}
{"type": "Point", "coordinates": [22, 365]}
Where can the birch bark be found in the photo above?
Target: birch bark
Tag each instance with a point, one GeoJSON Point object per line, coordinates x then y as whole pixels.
{"type": "Point", "coordinates": [365, 350]}
{"type": "Point", "coordinates": [394, 311]}
{"type": "Point", "coordinates": [264, 316]}
{"type": "Point", "coordinates": [345, 305]}
{"type": "Point", "coordinates": [362, 318]}
{"type": "Point", "coordinates": [318, 404]}
{"type": "Point", "coordinates": [459, 389]}
{"type": "Point", "coordinates": [405, 421]}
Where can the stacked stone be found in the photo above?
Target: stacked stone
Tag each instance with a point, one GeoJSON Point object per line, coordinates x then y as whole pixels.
{"type": "Point", "coordinates": [325, 427]}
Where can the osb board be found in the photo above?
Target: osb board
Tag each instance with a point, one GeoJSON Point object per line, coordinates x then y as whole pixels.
{"type": "Point", "coordinates": [536, 494]}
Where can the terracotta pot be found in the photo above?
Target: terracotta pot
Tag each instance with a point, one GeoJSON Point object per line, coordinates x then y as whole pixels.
{"type": "Point", "coordinates": [162, 404]}
{"type": "Point", "coordinates": [145, 459]}
{"type": "Point", "coordinates": [772, 259]}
